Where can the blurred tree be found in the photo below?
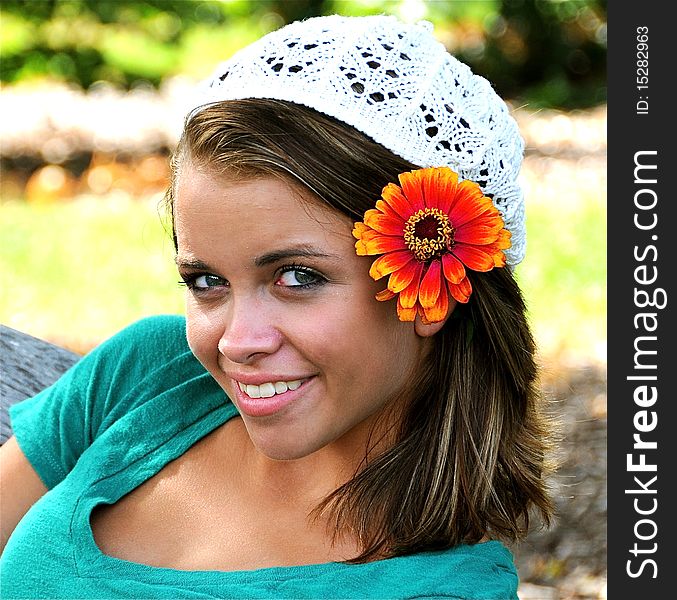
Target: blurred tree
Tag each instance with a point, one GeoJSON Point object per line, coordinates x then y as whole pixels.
{"type": "Point", "coordinates": [300, 9]}
{"type": "Point", "coordinates": [125, 41]}
{"type": "Point", "coordinates": [545, 52]}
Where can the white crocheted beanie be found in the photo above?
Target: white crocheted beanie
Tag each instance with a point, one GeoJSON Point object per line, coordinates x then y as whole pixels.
{"type": "Point", "coordinates": [397, 84]}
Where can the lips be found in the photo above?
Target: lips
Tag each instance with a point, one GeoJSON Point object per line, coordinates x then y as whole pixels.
{"type": "Point", "coordinates": [270, 388]}
{"type": "Point", "coordinates": [267, 398]}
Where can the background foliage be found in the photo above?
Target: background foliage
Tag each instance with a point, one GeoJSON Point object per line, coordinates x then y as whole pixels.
{"type": "Point", "coordinates": [86, 102]}
{"type": "Point", "coordinates": [84, 166]}
{"type": "Point", "coordinates": [546, 52]}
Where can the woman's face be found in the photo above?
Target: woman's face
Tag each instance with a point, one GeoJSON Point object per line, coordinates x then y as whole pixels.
{"type": "Point", "coordinates": [281, 311]}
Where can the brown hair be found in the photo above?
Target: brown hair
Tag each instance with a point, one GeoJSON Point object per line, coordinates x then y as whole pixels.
{"type": "Point", "coordinates": [469, 458]}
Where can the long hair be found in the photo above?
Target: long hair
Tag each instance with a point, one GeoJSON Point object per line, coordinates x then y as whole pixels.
{"type": "Point", "coordinates": [469, 456]}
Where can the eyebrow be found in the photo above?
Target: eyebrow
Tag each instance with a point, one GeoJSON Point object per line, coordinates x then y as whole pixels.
{"type": "Point", "coordinates": [191, 263]}
{"type": "Point", "coordinates": [260, 261]}
{"type": "Point", "coordinates": [296, 252]}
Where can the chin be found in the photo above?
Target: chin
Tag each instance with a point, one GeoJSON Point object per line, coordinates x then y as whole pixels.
{"type": "Point", "coordinates": [284, 451]}
{"type": "Point", "coordinates": [278, 444]}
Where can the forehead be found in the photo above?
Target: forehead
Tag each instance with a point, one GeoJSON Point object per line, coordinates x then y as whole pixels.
{"type": "Point", "coordinates": [252, 212]}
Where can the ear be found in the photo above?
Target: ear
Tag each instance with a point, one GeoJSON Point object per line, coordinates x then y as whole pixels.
{"type": "Point", "coordinates": [427, 329]}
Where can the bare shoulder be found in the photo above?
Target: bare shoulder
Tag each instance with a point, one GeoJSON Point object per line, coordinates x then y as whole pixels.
{"type": "Point", "coordinates": [20, 487]}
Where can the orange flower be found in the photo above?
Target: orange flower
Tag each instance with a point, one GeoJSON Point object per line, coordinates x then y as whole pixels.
{"type": "Point", "coordinates": [427, 232]}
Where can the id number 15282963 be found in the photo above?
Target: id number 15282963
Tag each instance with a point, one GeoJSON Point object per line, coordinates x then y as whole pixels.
{"type": "Point", "coordinates": [642, 69]}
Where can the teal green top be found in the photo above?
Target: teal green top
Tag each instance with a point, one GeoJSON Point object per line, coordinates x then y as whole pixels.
{"type": "Point", "coordinates": [135, 403]}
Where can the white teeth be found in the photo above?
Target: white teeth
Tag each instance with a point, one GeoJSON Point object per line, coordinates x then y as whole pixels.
{"type": "Point", "coordinates": [253, 391]}
{"type": "Point", "coordinates": [267, 390]}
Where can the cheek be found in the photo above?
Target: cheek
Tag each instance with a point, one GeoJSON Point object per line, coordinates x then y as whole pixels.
{"type": "Point", "coordinates": [203, 337]}
{"type": "Point", "coordinates": [367, 343]}
{"type": "Point", "coordinates": [390, 345]}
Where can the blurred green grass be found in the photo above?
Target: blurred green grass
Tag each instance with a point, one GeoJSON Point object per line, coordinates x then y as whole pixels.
{"type": "Point", "coordinates": [563, 278]}
{"type": "Point", "coordinates": [74, 273]}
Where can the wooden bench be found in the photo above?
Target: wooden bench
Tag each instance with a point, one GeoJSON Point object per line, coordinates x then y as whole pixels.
{"type": "Point", "coordinates": [27, 365]}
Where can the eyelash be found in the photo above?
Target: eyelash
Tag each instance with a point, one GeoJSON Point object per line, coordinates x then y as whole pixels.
{"type": "Point", "coordinates": [189, 280]}
{"type": "Point", "coordinates": [319, 279]}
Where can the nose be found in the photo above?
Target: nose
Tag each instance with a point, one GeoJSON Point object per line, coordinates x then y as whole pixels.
{"type": "Point", "coordinates": [249, 333]}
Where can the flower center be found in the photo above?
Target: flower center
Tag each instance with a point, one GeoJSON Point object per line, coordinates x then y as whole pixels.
{"type": "Point", "coordinates": [428, 233]}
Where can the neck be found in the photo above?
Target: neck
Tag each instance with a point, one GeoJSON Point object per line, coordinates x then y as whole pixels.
{"type": "Point", "coordinates": [309, 479]}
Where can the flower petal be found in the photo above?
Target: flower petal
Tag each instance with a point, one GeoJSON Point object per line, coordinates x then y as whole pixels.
{"type": "Point", "coordinates": [440, 191]}
{"type": "Point", "coordinates": [495, 250]}
{"type": "Point", "coordinates": [393, 195]}
{"type": "Point", "coordinates": [429, 290]}
{"type": "Point", "coordinates": [388, 211]}
{"type": "Point", "coordinates": [453, 269]}
{"type": "Point", "coordinates": [503, 241]}
{"type": "Point", "coordinates": [461, 291]}
{"type": "Point", "coordinates": [385, 295]}
{"type": "Point", "coordinates": [468, 204]}
{"type": "Point", "coordinates": [412, 189]}
{"type": "Point", "coordinates": [474, 257]}
{"type": "Point", "coordinates": [358, 229]}
{"type": "Point", "coordinates": [401, 278]}
{"type": "Point", "coordinates": [439, 310]}
{"type": "Point", "coordinates": [409, 295]}
{"type": "Point", "coordinates": [405, 314]}
{"type": "Point", "coordinates": [422, 316]}
{"type": "Point", "coordinates": [428, 183]}
{"type": "Point", "coordinates": [479, 231]}
{"type": "Point", "coordinates": [383, 223]}
{"type": "Point", "coordinates": [373, 242]}
{"type": "Point", "coordinates": [386, 264]}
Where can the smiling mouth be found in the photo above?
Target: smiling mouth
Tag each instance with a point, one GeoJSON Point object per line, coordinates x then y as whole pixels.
{"type": "Point", "coordinates": [270, 389]}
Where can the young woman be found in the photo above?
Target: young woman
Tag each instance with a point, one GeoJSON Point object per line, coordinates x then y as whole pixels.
{"type": "Point", "coordinates": [349, 408]}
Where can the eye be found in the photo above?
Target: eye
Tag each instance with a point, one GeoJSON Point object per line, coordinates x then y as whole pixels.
{"type": "Point", "coordinates": [208, 281]}
{"type": "Point", "coordinates": [299, 277]}
{"type": "Point", "coordinates": [203, 282]}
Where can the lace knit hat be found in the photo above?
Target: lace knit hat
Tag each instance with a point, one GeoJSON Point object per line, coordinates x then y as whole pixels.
{"type": "Point", "coordinates": [397, 84]}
